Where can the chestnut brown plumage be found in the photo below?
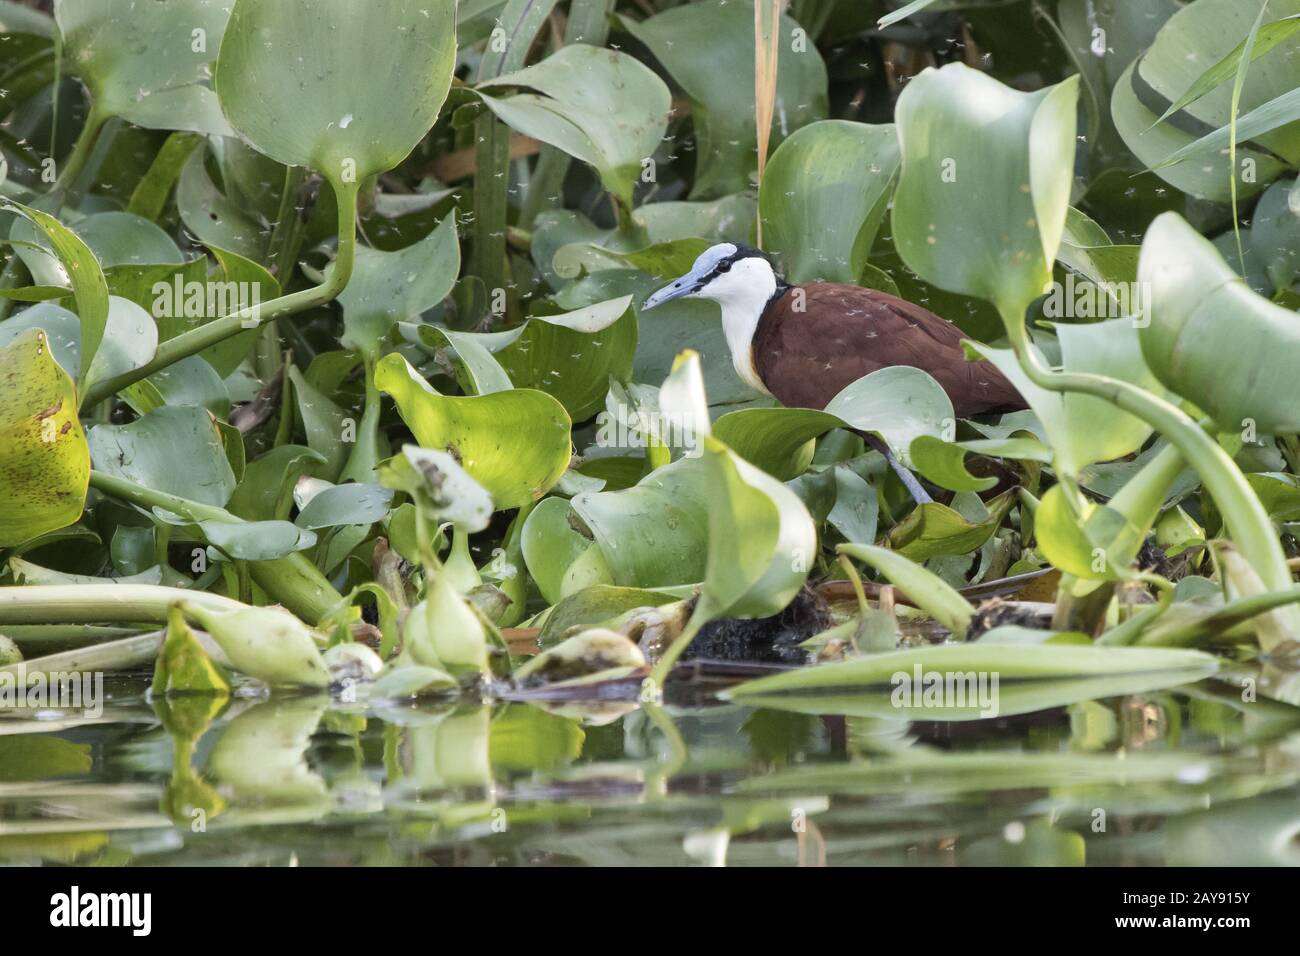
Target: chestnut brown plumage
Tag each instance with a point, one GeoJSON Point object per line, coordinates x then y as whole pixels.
{"type": "Point", "coordinates": [814, 340]}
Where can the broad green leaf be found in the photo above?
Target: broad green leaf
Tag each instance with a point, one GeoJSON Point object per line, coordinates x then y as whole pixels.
{"type": "Point", "coordinates": [1269, 36]}
{"type": "Point", "coordinates": [1092, 546]}
{"type": "Point", "coordinates": [515, 466]}
{"type": "Point", "coordinates": [43, 453]}
{"type": "Point", "coordinates": [656, 533]}
{"type": "Point", "coordinates": [1197, 37]}
{"type": "Point", "coordinates": [1081, 429]}
{"type": "Point", "coordinates": [345, 504]}
{"type": "Point", "coordinates": [358, 85]}
{"type": "Point", "coordinates": [266, 490]}
{"type": "Point", "coordinates": [602, 107]}
{"type": "Point", "coordinates": [856, 512]}
{"type": "Point", "coordinates": [551, 544]}
{"type": "Point", "coordinates": [778, 440]}
{"type": "Point", "coordinates": [215, 219]}
{"type": "Point", "coordinates": [708, 48]}
{"type": "Point", "coordinates": [933, 529]}
{"type": "Point", "coordinates": [1211, 177]}
{"type": "Point", "coordinates": [257, 540]}
{"type": "Point", "coordinates": [174, 449]}
{"type": "Point", "coordinates": [324, 422]}
{"type": "Point", "coordinates": [924, 588]}
{"type": "Point", "coordinates": [981, 202]}
{"type": "Point", "coordinates": [62, 331]}
{"type": "Point", "coordinates": [130, 341]}
{"type": "Point", "coordinates": [1238, 371]}
{"type": "Point", "coordinates": [388, 287]}
{"type": "Point", "coordinates": [761, 539]}
{"type": "Point", "coordinates": [1275, 232]}
{"type": "Point", "coordinates": [823, 197]}
{"type": "Point", "coordinates": [147, 62]}
{"type": "Point", "coordinates": [81, 271]}
{"type": "Point", "coordinates": [900, 403]}
{"type": "Point", "coordinates": [573, 356]}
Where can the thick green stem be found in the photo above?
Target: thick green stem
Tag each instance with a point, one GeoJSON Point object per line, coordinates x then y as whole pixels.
{"type": "Point", "coordinates": [100, 603]}
{"type": "Point", "coordinates": [293, 581]}
{"type": "Point", "coordinates": [218, 330]}
{"type": "Point", "coordinates": [1241, 509]}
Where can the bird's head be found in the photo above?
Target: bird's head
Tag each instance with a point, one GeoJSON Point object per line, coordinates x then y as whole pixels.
{"type": "Point", "coordinates": [725, 272]}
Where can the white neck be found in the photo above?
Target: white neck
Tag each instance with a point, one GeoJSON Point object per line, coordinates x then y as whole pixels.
{"type": "Point", "coordinates": [743, 294]}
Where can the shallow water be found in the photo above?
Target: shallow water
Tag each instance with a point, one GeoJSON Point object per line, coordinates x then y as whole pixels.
{"type": "Point", "coordinates": [1186, 776]}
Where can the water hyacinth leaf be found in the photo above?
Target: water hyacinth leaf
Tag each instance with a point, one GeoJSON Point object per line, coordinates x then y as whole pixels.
{"type": "Point", "coordinates": [515, 467]}
{"type": "Point", "coordinates": [823, 196]}
{"type": "Point", "coordinates": [1209, 178]}
{"type": "Point", "coordinates": [257, 540]}
{"type": "Point", "coordinates": [266, 490]}
{"type": "Point", "coordinates": [778, 440]}
{"type": "Point", "coordinates": [213, 218]}
{"type": "Point", "coordinates": [130, 341]}
{"type": "Point", "coordinates": [944, 463]}
{"type": "Point", "coordinates": [43, 453]}
{"type": "Point", "coordinates": [445, 491]}
{"type": "Point", "coordinates": [325, 423]}
{"type": "Point", "coordinates": [478, 371]}
{"type": "Point", "coordinates": [343, 505]}
{"type": "Point", "coordinates": [594, 606]}
{"type": "Point", "coordinates": [924, 588]}
{"type": "Point", "coordinates": [1081, 429]}
{"type": "Point", "coordinates": [62, 332]}
{"type": "Point", "coordinates": [147, 63]}
{"type": "Point", "coordinates": [1239, 372]}
{"type": "Point", "coordinates": [81, 271]}
{"type": "Point", "coordinates": [569, 362]}
{"type": "Point", "coordinates": [700, 42]}
{"type": "Point", "coordinates": [191, 381]}
{"type": "Point", "coordinates": [360, 85]}
{"type": "Point", "coordinates": [1090, 546]}
{"type": "Point", "coordinates": [1196, 38]}
{"type": "Point", "coordinates": [900, 403]}
{"type": "Point", "coordinates": [551, 544]}
{"type": "Point", "coordinates": [602, 107]}
{"type": "Point", "coordinates": [1275, 232]}
{"type": "Point", "coordinates": [1269, 36]}
{"type": "Point", "coordinates": [987, 171]}
{"type": "Point", "coordinates": [761, 539]}
{"type": "Point", "coordinates": [388, 287]}
{"type": "Point", "coordinates": [656, 533]}
{"type": "Point", "coordinates": [856, 512]}
{"type": "Point", "coordinates": [174, 449]}
{"type": "Point", "coordinates": [933, 529]}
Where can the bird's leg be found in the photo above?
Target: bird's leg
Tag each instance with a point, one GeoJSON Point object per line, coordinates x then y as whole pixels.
{"type": "Point", "coordinates": [919, 494]}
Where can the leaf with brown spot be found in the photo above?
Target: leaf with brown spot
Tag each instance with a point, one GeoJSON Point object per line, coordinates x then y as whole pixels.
{"type": "Point", "coordinates": [44, 460]}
